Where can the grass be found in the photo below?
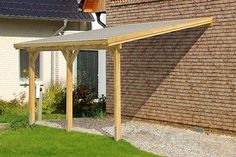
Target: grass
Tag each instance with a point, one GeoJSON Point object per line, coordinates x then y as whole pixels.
{"type": "Point", "coordinates": [54, 116]}
{"type": "Point", "coordinates": [22, 140]}
{"type": "Point", "coordinates": [10, 118]}
{"type": "Point", "coordinates": [11, 111]}
{"type": "Point", "coordinates": [44, 141]}
{"type": "Point", "coordinates": [13, 117]}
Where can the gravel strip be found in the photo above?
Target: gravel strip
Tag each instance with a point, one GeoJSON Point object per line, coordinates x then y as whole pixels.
{"type": "Point", "coordinates": [175, 142]}
{"type": "Point", "coordinates": [49, 124]}
{"type": "Point", "coordinates": [162, 140]}
{"type": "Point", "coordinates": [61, 125]}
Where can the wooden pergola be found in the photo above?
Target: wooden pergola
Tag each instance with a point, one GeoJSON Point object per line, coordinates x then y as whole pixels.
{"type": "Point", "coordinates": [110, 39]}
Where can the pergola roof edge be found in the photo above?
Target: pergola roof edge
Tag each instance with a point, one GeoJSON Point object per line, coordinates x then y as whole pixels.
{"type": "Point", "coordinates": [58, 45]}
{"type": "Point", "coordinates": [157, 31]}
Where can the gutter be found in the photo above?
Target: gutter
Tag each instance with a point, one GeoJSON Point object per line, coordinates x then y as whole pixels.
{"type": "Point", "coordinates": [53, 56]}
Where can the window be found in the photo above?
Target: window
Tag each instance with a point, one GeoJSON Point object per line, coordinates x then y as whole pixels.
{"type": "Point", "coordinates": [87, 69]}
{"type": "Point", "coordinates": [24, 65]}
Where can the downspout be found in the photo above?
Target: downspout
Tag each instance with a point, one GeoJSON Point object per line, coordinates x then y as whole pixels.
{"type": "Point", "coordinates": [53, 56]}
{"type": "Point", "coordinates": [99, 19]}
{"type": "Point", "coordinates": [101, 60]}
{"type": "Point", "coordinates": [61, 29]}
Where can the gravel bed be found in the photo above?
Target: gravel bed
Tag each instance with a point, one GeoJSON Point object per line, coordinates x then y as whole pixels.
{"type": "Point", "coordinates": [162, 140]}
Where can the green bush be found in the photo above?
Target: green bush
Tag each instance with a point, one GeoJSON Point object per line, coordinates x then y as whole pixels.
{"type": "Point", "coordinates": [84, 105]}
{"type": "Point", "coordinates": [97, 110]}
{"type": "Point", "coordinates": [12, 110]}
{"type": "Point", "coordinates": [2, 107]}
{"type": "Point", "coordinates": [20, 123]}
{"type": "Point", "coordinates": [13, 107]}
{"type": "Point", "coordinates": [54, 99]}
{"type": "Point", "coordinates": [82, 98]}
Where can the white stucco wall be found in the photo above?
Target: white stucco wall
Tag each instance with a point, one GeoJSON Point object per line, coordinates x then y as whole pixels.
{"type": "Point", "coordinates": [15, 31]}
{"type": "Point", "coordinates": [61, 68]}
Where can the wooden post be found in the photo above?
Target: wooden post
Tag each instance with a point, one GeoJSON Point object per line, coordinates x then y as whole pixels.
{"type": "Point", "coordinates": [32, 58]}
{"type": "Point", "coordinates": [70, 57]}
{"type": "Point", "coordinates": [117, 93]}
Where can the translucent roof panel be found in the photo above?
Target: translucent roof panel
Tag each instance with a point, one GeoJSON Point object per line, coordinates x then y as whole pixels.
{"type": "Point", "coordinates": [115, 35]}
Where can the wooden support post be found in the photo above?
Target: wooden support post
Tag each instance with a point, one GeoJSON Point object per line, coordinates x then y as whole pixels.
{"type": "Point", "coordinates": [69, 56]}
{"type": "Point", "coordinates": [117, 93]}
{"type": "Point", "coordinates": [32, 58]}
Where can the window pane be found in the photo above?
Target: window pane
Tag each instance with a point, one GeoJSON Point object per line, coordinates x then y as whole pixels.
{"type": "Point", "coordinates": [87, 64]}
{"type": "Point", "coordinates": [24, 65]}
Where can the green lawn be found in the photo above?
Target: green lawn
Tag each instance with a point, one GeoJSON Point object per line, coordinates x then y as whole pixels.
{"type": "Point", "coordinates": [44, 141]}
{"type": "Point", "coordinates": [54, 116]}
{"type": "Point", "coordinates": [10, 118]}
{"type": "Point", "coordinates": [14, 117]}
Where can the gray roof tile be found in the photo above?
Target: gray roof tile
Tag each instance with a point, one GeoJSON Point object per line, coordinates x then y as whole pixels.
{"type": "Point", "coordinates": [44, 9]}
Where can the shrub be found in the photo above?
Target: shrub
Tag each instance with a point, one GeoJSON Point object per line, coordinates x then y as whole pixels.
{"type": "Point", "coordinates": [20, 123]}
{"type": "Point", "coordinates": [82, 98]}
{"type": "Point", "coordinates": [13, 107]}
{"type": "Point", "coordinates": [98, 109]}
{"type": "Point", "coordinates": [2, 107]}
{"type": "Point", "coordinates": [54, 99]}
{"type": "Point", "coordinates": [102, 102]}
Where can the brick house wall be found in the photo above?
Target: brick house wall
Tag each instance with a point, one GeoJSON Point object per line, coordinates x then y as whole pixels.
{"type": "Point", "coordinates": [185, 78]}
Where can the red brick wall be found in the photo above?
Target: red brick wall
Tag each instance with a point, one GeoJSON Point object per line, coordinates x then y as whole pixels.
{"type": "Point", "coordinates": [186, 77]}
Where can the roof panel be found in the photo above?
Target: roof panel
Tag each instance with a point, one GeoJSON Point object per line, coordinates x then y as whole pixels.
{"type": "Point", "coordinates": [116, 35]}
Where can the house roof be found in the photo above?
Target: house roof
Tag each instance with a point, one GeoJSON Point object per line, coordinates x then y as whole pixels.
{"type": "Point", "coordinates": [44, 9]}
{"type": "Point", "coordinates": [104, 38]}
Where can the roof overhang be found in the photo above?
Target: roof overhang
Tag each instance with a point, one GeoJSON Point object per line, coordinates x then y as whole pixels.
{"type": "Point", "coordinates": [93, 6]}
{"type": "Point", "coordinates": [90, 18]}
{"type": "Point", "coordinates": [107, 37]}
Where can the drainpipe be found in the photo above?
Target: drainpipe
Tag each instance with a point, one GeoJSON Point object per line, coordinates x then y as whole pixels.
{"type": "Point", "coordinates": [99, 19]}
{"type": "Point", "coordinates": [61, 29]}
{"type": "Point", "coordinates": [53, 56]}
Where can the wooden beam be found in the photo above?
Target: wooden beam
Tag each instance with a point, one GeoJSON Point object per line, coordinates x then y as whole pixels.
{"type": "Point", "coordinates": [32, 58]}
{"type": "Point", "coordinates": [69, 56]}
{"type": "Point", "coordinates": [74, 55]}
{"type": "Point", "coordinates": [75, 47]}
{"type": "Point", "coordinates": [73, 52]}
{"type": "Point", "coordinates": [82, 45]}
{"type": "Point", "coordinates": [117, 93]}
{"type": "Point", "coordinates": [65, 55]}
